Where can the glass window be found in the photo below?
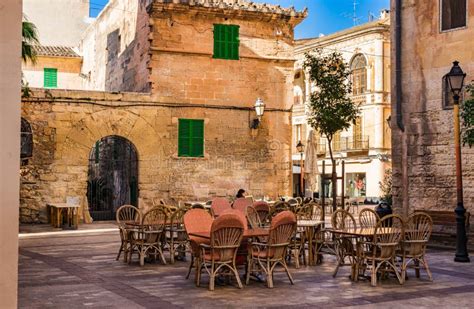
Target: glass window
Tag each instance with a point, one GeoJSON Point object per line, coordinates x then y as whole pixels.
{"type": "Point", "coordinates": [359, 74]}
{"type": "Point", "coordinates": [453, 14]}
{"type": "Point", "coordinates": [26, 141]}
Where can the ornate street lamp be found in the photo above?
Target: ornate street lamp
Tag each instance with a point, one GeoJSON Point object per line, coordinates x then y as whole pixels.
{"type": "Point", "coordinates": [456, 82]}
{"type": "Point", "coordinates": [300, 148]}
{"type": "Point", "coordinates": [259, 110]}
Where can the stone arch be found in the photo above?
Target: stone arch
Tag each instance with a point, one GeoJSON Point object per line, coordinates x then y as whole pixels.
{"type": "Point", "coordinates": [299, 87]}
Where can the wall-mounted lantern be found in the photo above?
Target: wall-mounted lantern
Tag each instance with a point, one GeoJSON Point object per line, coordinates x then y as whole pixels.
{"type": "Point", "coordinates": [259, 110]}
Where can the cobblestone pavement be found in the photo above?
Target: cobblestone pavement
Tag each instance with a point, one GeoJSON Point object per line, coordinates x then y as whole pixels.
{"type": "Point", "coordinates": [77, 271]}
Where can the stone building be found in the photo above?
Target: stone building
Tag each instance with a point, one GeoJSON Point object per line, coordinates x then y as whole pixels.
{"type": "Point", "coordinates": [433, 35]}
{"type": "Point", "coordinates": [365, 147]}
{"type": "Point", "coordinates": [200, 67]}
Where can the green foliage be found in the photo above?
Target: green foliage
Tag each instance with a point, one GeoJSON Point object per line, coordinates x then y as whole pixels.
{"type": "Point", "coordinates": [467, 116]}
{"type": "Point", "coordinates": [29, 39]}
{"type": "Point", "coordinates": [386, 187]}
{"type": "Point", "coordinates": [330, 108]}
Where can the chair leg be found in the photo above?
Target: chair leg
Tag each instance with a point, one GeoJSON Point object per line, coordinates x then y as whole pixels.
{"type": "Point", "coordinates": [417, 268]}
{"type": "Point", "coordinates": [427, 268]}
{"type": "Point", "coordinates": [198, 271]}
{"type": "Point", "coordinates": [212, 277]}
{"type": "Point", "coordinates": [249, 269]}
{"type": "Point", "coordinates": [172, 251]}
{"type": "Point", "coordinates": [120, 251]}
{"type": "Point", "coordinates": [142, 257]}
{"type": "Point", "coordinates": [269, 278]}
{"type": "Point", "coordinates": [190, 266]}
{"type": "Point", "coordinates": [236, 274]}
{"type": "Point", "coordinates": [287, 272]}
{"type": "Point", "coordinates": [374, 274]}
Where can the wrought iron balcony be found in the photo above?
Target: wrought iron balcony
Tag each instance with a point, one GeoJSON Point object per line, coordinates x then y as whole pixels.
{"type": "Point", "coordinates": [346, 144]}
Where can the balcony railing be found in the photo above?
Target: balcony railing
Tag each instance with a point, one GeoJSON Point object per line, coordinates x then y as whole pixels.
{"type": "Point", "coordinates": [355, 144]}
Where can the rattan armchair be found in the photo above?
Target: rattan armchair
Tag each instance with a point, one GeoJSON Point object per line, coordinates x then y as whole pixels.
{"type": "Point", "coordinates": [226, 235]}
{"type": "Point", "coordinates": [219, 205]}
{"type": "Point", "coordinates": [417, 232]}
{"type": "Point", "coordinates": [126, 214]}
{"type": "Point", "coordinates": [379, 253]}
{"type": "Point", "coordinates": [368, 218]}
{"type": "Point", "coordinates": [263, 210]}
{"type": "Point", "coordinates": [176, 235]}
{"type": "Point", "coordinates": [266, 256]}
{"type": "Point", "coordinates": [196, 220]}
{"type": "Point", "coordinates": [253, 218]}
{"type": "Point", "coordinates": [279, 207]}
{"type": "Point", "coordinates": [148, 241]}
{"type": "Point", "coordinates": [344, 246]}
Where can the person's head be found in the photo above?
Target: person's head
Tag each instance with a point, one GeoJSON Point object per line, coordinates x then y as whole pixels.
{"type": "Point", "coordinates": [240, 193]}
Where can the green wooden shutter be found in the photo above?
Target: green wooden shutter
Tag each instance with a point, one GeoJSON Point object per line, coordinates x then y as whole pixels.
{"type": "Point", "coordinates": [197, 138]}
{"type": "Point", "coordinates": [184, 130]}
{"type": "Point", "coordinates": [226, 41]}
{"type": "Point", "coordinates": [191, 138]}
{"type": "Point", "coordinates": [50, 78]}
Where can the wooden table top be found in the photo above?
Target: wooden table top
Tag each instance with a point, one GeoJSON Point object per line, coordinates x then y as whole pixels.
{"type": "Point", "coordinates": [247, 233]}
{"type": "Point", "coordinates": [309, 223]}
{"type": "Point", "coordinates": [364, 232]}
{"type": "Point", "coordinates": [63, 205]}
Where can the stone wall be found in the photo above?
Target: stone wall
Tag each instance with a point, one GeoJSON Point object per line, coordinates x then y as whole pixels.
{"type": "Point", "coordinates": [183, 68]}
{"type": "Point", "coordinates": [115, 48]}
{"type": "Point", "coordinates": [423, 156]}
{"type": "Point", "coordinates": [68, 72]}
{"type": "Point", "coordinates": [67, 125]}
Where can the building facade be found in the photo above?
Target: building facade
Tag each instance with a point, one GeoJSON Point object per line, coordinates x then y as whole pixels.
{"type": "Point", "coordinates": [365, 147]}
{"type": "Point", "coordinates": [433, 35]}
{"type": "Point", "coordinates": [189, 135]}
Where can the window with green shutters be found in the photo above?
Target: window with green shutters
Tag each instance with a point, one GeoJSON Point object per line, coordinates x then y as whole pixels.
{"type": "Point", "coordinates": [191, 138]}
{"type": "Point", "coordinates": [50, 78]}
{"type": "Point", "coordinates": [226, 42]}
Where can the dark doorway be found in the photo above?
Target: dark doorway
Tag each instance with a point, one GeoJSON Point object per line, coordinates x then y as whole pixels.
{"type": "Point", "coordinates": [112, 178]}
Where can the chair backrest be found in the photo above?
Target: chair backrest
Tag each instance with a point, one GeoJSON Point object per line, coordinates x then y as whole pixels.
{"type": "Point", "coordinates": [177, 218]}
{"type": "Point", "coordinates": [238, 213]}
{"type": "Point", "coordinates": [226, 235]}
{"type": "Point", "coordinates": [253, 217]}
{"type": "Point", "coordinates": [154, 220]}
{"type": "Point", "coordinates": [388, 234]}
{"type": "Point", "coordinates": [198, 206]}
{"type": "Point", "coordinates": [293, 202]}
{"type": "Point", "coordinates": [219, 205]}
{"type": "Point", "coordinates": [197, 220]}
{"type": "Point", "coordinates": [343, 220]}
{"type": "Point", "coordinates": [281, 230]}
{"type": "Point", "coordinates": [299, 200]}
{"type": "Point", "coordinates": [304, 211]}
{"type": "Point", "coordinates": [417, 232]}
{"type": "Point", "coordinates": [241, 204]}
{"type": "Point", "coordinates": [368, 218]}
{"type": "Point", "coordinates": [316, 211]}
{"type": "Point", "coordinates": [307, 200]}
{"type": "Point", "coordinates": [263, 211]}
{"type": "Point", "coordinates": [128, 213]}
{"type": "Point", "coordinates": [279, 207]}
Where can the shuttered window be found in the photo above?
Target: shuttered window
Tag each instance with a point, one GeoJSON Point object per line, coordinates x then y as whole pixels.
{"type": "Point", "coordinates": [226, 42]}
{"type": "Point", "coordinates": [191, 138]}
{"type": "Point", "coordinates": [453, 14]}
{"type": "Point", "coordinates": [50, 78]}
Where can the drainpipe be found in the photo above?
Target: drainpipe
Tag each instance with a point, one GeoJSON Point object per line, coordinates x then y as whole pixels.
{"type": "Point", "coordinates": [398, 64]}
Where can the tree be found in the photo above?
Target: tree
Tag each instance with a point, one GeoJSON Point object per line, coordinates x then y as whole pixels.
{"type": "Point", "coordinates": [29, 39]}
{"type": "Point", "coordinates": [330, 108]}
{"type": "Point", "coordinates": [467, 115]}
{"type": "Point", "coordinates": [386, 187]}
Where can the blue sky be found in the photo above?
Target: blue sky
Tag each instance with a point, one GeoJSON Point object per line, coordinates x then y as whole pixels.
{"type": "Point", "coordinates": [325, 16]}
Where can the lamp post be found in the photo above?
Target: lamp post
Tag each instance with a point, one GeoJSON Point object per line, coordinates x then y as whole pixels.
{"type": "Point", "coordinates": [300, 148]}
{"type": "Point", "coordinates": [456, 82]}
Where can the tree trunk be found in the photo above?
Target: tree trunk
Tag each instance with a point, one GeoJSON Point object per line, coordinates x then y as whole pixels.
{"type": "Point", "coordinates": [333, 177]}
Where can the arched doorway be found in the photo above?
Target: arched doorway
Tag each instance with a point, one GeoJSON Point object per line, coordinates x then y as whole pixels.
{"type": "Point", "coordinates": [112, 177]}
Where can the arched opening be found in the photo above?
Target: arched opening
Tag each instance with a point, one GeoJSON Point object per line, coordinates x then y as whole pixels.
{"type": "Point", "coordinates": [359, 74]}
{"type": "Point", "coordinates": [112, 177]}
{"type": "Point", "coordinates": [26, 151]}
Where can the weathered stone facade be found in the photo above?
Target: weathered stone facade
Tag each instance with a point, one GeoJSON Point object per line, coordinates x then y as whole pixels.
{"type": "Point", "coordinates": [66, 127]}
{"type": "Point", "coordinates": [423, 155]}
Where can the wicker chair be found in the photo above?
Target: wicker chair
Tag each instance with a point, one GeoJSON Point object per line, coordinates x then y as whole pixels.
{"type": "Point", "coordinates": [126, 214]}
{"type": "Point", "coordinates": [241, 204]}
{"type": "Point", "coordinates": [196, 220]}
{"type": "Point", "coordinates": [176, 236]}
{"type": "Point", "coordinates": [148, 241]}
{"type": "Point", "coordinates": [368, 218]}
{"type": "Point", "coordinates": [417, 232]}
{"type": "Point", "coordinates": [253, 218]}
{"type": "Point", "coordinates": [226, 236]}
{"type": "Point", "coordinates": [268, 255]}
{"type": "Point", "coordinates": [263, 211]}
{"type": "Point", "coordinates": [279, 207]}
{"type": "Point", "coordinates": [382, 248]}
{"type": "Point", "coordinates": [343, 245]}
{"type": "Point", "coordinates": [219, 205]}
